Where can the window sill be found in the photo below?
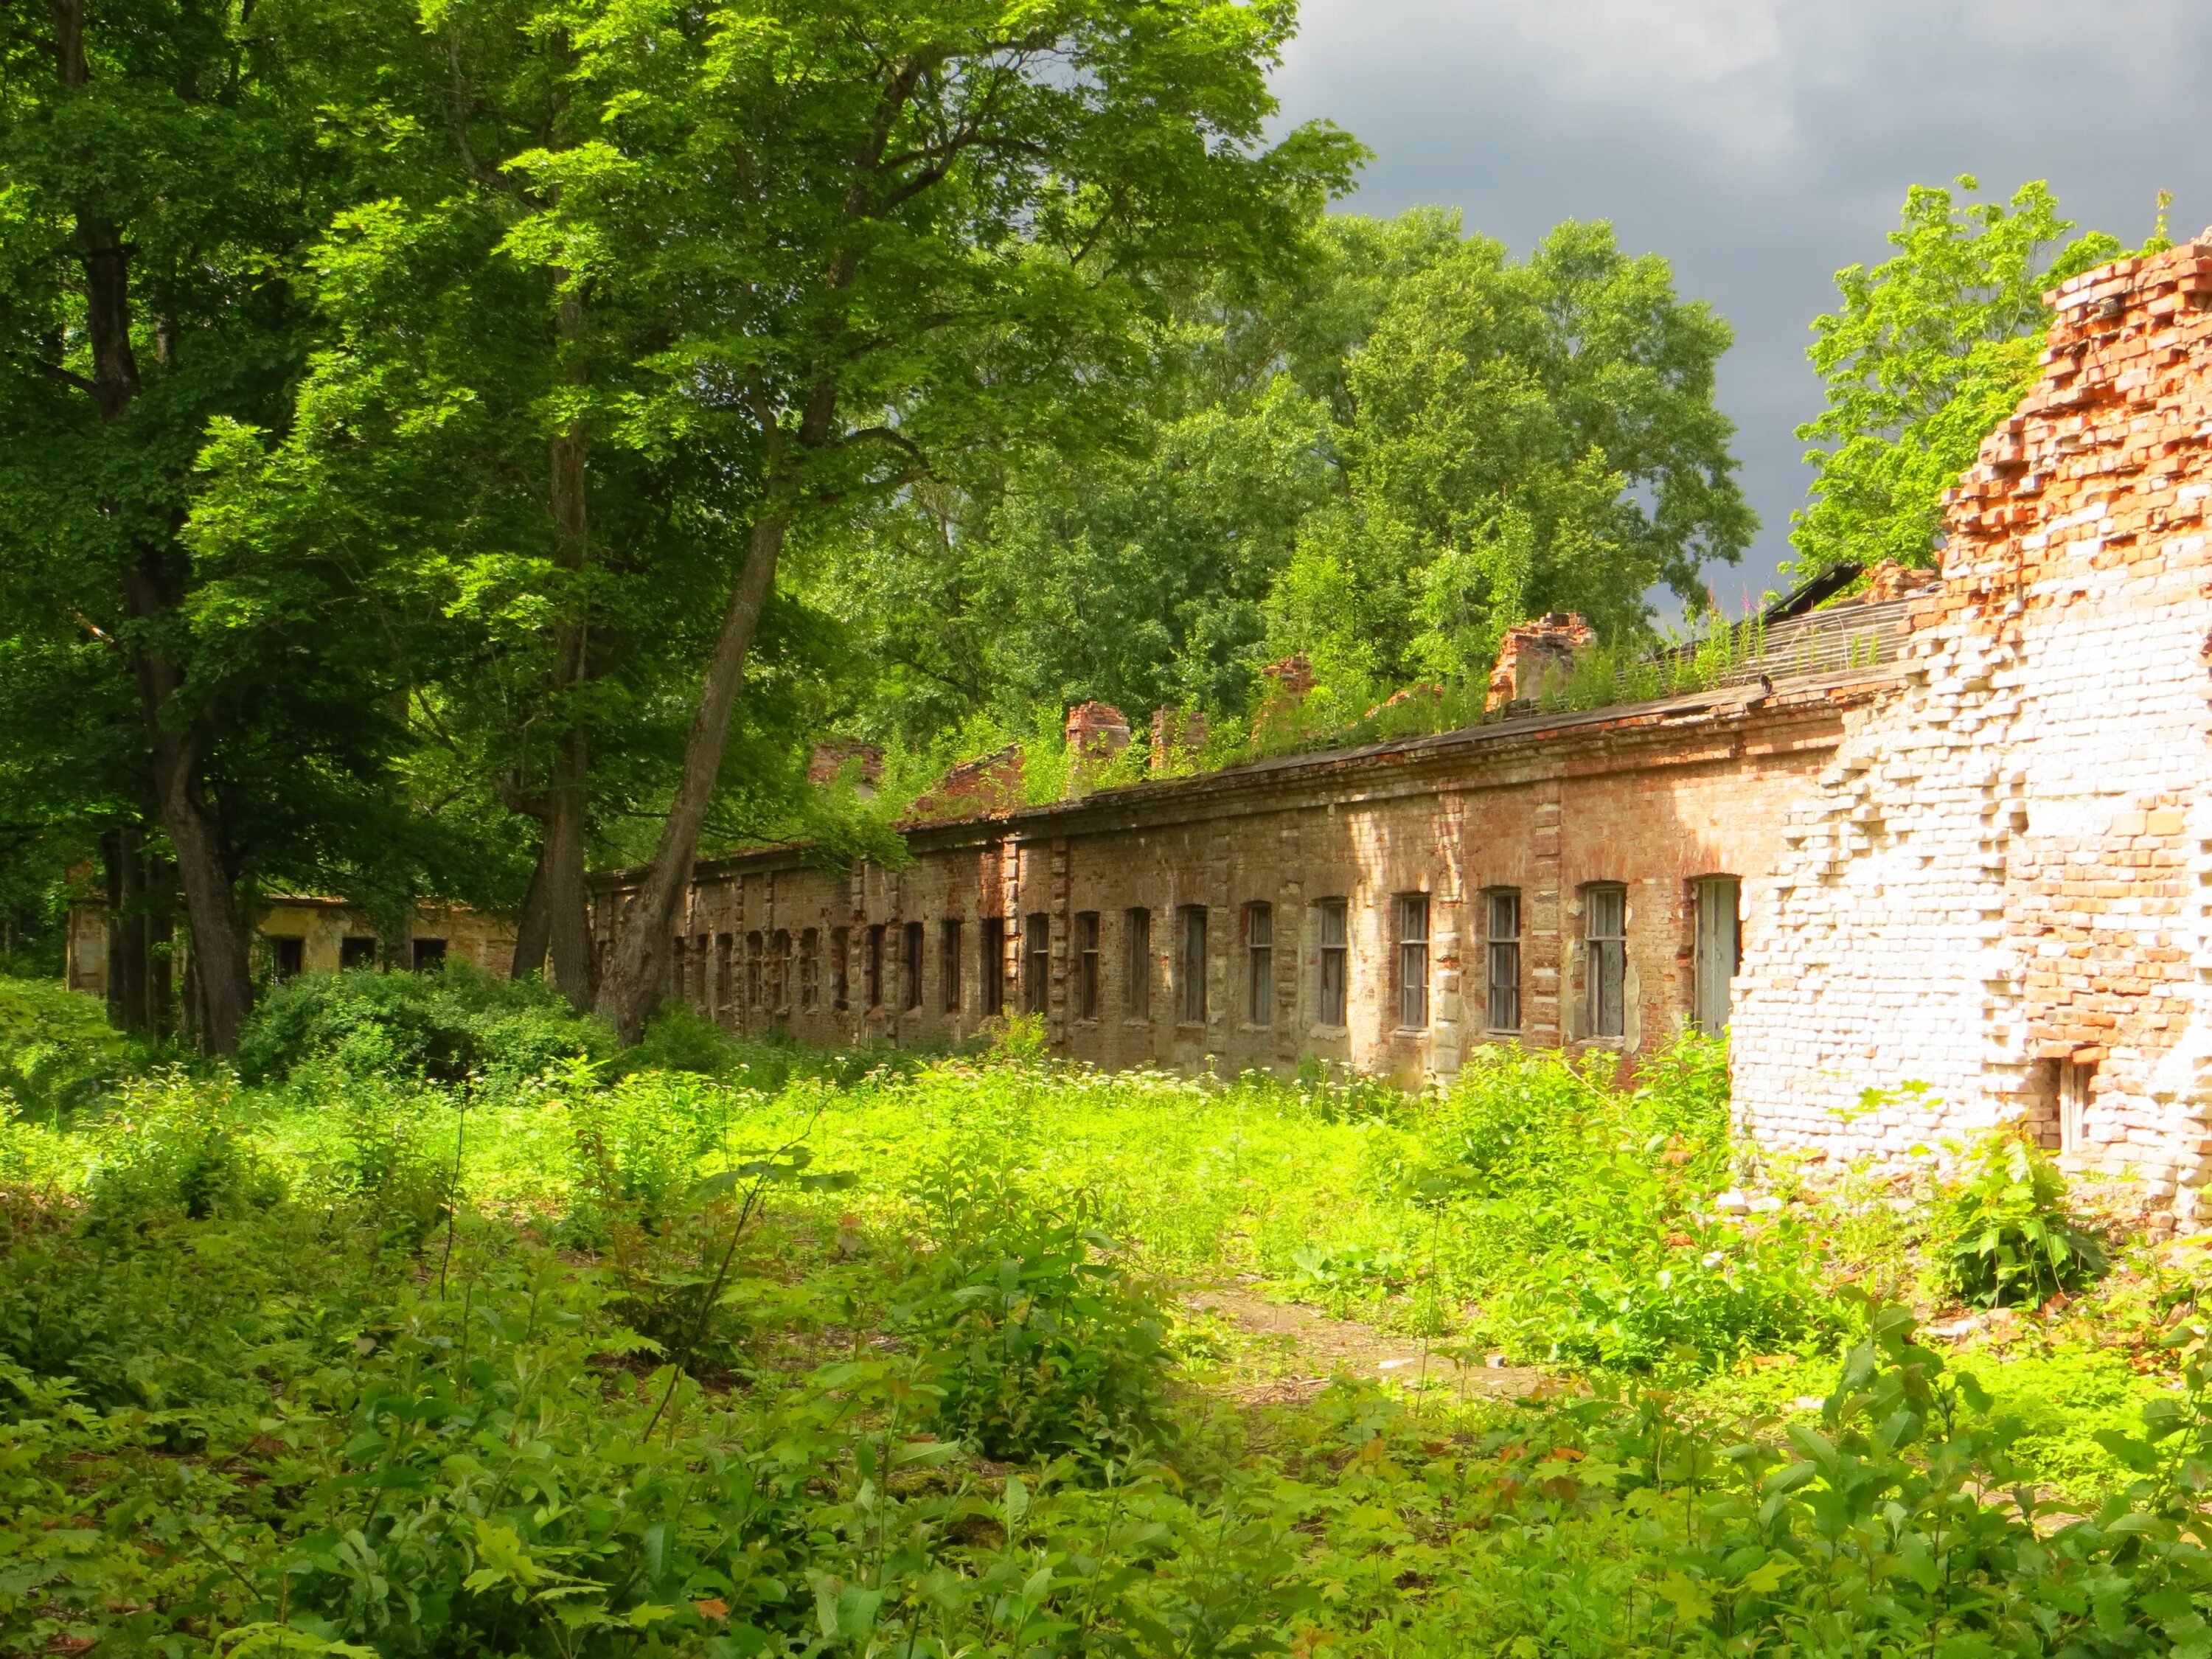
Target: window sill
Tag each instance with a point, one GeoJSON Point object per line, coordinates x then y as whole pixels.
{"type": "Point", "coordinates": [1320, 1031]}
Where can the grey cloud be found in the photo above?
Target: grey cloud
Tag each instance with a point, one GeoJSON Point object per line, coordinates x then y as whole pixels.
{"type": "Point", "coordinates": [1760, 144]}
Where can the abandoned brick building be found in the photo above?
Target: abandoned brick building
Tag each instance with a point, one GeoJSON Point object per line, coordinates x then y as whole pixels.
{"type": "Point", "coordinates": [1941, 857]}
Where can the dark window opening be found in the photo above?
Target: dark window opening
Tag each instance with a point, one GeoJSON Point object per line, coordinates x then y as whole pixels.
{"type": "Point", "coordinates": [755, 955]}
{"type": "Point", "coordinates": [1605, 935]}
{"type": "Point", "coordinates": [1086, 964]}
{"type": "Point", "coordinates": [991, 963]}
{"type": "Point", "coordinates": [1136, 980]}
{"type": "Point", "coordinates": [1502, 946]}
{"type": "Point", "coordinates": [1192, 968]}
{"type": "Point", "coordinates": [429, 953]}
{"type": "Point", "coordinates": [1258, 964]}
{"type": "Point", "coordinates": [809, 968]}
{"type": "Point", "coordinates": [287, 956]}
{"type": "Point", "coordinates": [1036, 961]}
{"type": "Point", "coordinates": [726, 961]}
{"type": "Point", "coordinates": [1412, 910]}
{"type": "Point", "coordinates": [875, 966]}
{"type": "Point", "coordinates": [910, 965]}
{"type": "Point", "coordinates": [948, 963]}
{"type": "Point", "coordinates": [355, 951]}
{"type": "Point", "coordinates": [1334, 936]}
{"type": "Point", "coordinates": [840, 968]}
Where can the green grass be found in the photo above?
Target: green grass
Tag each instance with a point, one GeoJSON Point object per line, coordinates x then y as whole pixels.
{"type": "Point", "coordinates": [848, 1355]}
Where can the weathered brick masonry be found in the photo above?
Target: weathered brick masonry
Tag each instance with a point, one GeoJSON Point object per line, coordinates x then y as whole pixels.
{"type": "Point", "coordinates": [1543, 809]}
{"type": "Point", "coordinates": [1998, 887]}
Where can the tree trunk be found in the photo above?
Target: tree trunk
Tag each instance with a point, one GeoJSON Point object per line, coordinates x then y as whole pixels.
{"type": "Point", "coordinates": [219, 936]}
{"type": "Point", "coordinates": [632, 987]}
{"type": "Point", "coordinates": [568, 900]}
{"type": "Point", "coordinates": [557, 916]}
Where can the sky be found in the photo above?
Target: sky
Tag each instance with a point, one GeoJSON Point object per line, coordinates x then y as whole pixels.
{"type": "Point", "coordinates": [1761, 145]}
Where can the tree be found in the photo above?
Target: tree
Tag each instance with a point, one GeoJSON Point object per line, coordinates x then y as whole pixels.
{"type": "Point", "coordinates": [1523, 436]}
{"type": "Point", "coordinates": [882, 235]}
{"type": "Point", "coordinates": [1925, 354]}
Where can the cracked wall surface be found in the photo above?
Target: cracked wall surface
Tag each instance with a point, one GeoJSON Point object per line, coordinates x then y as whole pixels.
{"type": "Point", "coordinates": [2002, 874]}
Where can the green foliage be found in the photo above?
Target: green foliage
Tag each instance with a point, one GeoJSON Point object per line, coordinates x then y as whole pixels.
{"type": "Point", "coordinates": [1927, 352]}
{"type": "Point", "coordinates": [170, 1151]}
{"type": "Point", "coordinates": [2009, 1239]}
{"type": "Point", "coordinates": [446, 1026]}
{"type": "Point", "coordinates": [1038, 1343]}
{"type": "Point", "coordinates": [57, 1048]}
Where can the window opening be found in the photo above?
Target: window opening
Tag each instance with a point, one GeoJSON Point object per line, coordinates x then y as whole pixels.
{"type": "Point", "coordinates": [287, 958]}
{"type": "Point", "coordinates": [875, 965]}
{"type": "Point", "coordinates": [1605, 914]}
{"type": "Point", "coordinates": [840, 968]}
{"type": "Point", "coordinates": [1086, 964]}
{"type": "Point", "coordinates": [1193, 974]}
{"type": "Point", "coordinates": [1412, 961]}
{"type": "Point", "coordinates": [992, 963]}
{"type": "Point", "coordinates": [356, 951]}
{"type": "Point", "coordinates": [756, 955]}
{"type": "Point", "coordinates": [2073, 1105]}
{"type": "Point", "coordinates": [1036, 961]}
{"type": "Point", "coordinates": [948, 961]}
{"type": "Point", "coordinates": [779, 970]}
{"type": "Point", "coordinates": [910, 968]}
{"type": "Point", "coordinates": [1260, 963]}
{"type": "Point", "coordinates": [1335, 938]}
{"type": "Point", "coordinates": [429, 953]}
{"type": "Point", "coordinates": [1503, 948]}
{"type": "Point", "coordinates": [726, 996]}
{"type": "Point", "coordinates": [1717, 950]}
{"type": "Point", "coordinates": [809, 968]}
{"type": "Point", "coordinates": [1137, 975]}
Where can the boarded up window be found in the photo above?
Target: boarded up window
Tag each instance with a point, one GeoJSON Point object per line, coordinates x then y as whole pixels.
{"type": "Point", "coordinates": [1086, 964]}
{"type": "Point", "coordinates": [1605, 937]}
{"type": "Point", "coordinates": [1192, 972]}
{"type": "Point", "coordinates": [1137, 971]}
{"type": "Point", "coordinates": [992, 963]}
{"type": "Point", "coordinates": [1036, 961]}
{"type": "Point", "coordinates": [1258, 964]}
{"type": "Point", "coordinates": [1333, 923]}
{"type": "Point", "coordinates": [1502, 948]}
{"type": "Point", "coordinates": [1719, 948]}
{"type": "Point", "coordinates": [1413, 916]}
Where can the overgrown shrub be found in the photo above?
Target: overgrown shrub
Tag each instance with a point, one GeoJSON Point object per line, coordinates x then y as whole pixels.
{"type": "Point", "coordinates": [443, 1025]}
{"type": "Point", "coordinates": [173, 1150]}
{"type": "Point", "coordinates": [1040, 1343]}
{"type": "Point", "coordinates": [2009, 1238]}
{"type": "Point", "coordinates": [57, 1049]}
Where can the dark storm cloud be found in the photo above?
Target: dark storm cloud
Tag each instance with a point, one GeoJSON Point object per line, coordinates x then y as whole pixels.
{"type": "Point", "coordinates": [1762, 144]}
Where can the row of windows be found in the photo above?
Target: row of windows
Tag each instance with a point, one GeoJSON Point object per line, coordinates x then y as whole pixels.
{"type": "Point", "coordinates": [780, 970]}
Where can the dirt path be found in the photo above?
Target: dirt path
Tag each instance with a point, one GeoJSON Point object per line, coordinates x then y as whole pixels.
{"type": "Point", "coordinates": [1300, 1350]}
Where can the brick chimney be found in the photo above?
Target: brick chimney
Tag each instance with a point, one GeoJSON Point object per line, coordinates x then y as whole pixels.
{"type": "Point", "coordinates": [1291, 679]}
{"type": "Point", "coordinates": [1537, 657]}
{"type": "Point", "coordinates": [1097, 731]}
{"type": "Point", "coordinates": [832, 756]}
{"type": "Point", "coordinates": [1178, 736]}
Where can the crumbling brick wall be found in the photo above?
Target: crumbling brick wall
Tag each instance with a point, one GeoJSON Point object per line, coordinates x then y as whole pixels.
{"type": "Point", "coordinates": [1996, 886]}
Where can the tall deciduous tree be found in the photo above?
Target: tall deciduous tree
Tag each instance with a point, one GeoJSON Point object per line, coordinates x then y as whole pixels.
{"type": "Point", "coordinates": [1927, 352]}
{"type": "Point", "coordinates": [1523, 436]}
{"type": "Point", "coordinates": [882, 234]}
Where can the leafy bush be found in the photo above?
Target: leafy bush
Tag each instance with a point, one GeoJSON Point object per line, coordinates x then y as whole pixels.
{"type": "Point", "coordinates": [2010, 1237]}
{"type": "Point", "coordinates": [444, 1025]}
{"type": "Point", "coordinates": [175, 1151]}
{"type": "Point", "coordinates": [1039, 1344]}
{"type": "Point", "coordinates": [57, 1049]}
